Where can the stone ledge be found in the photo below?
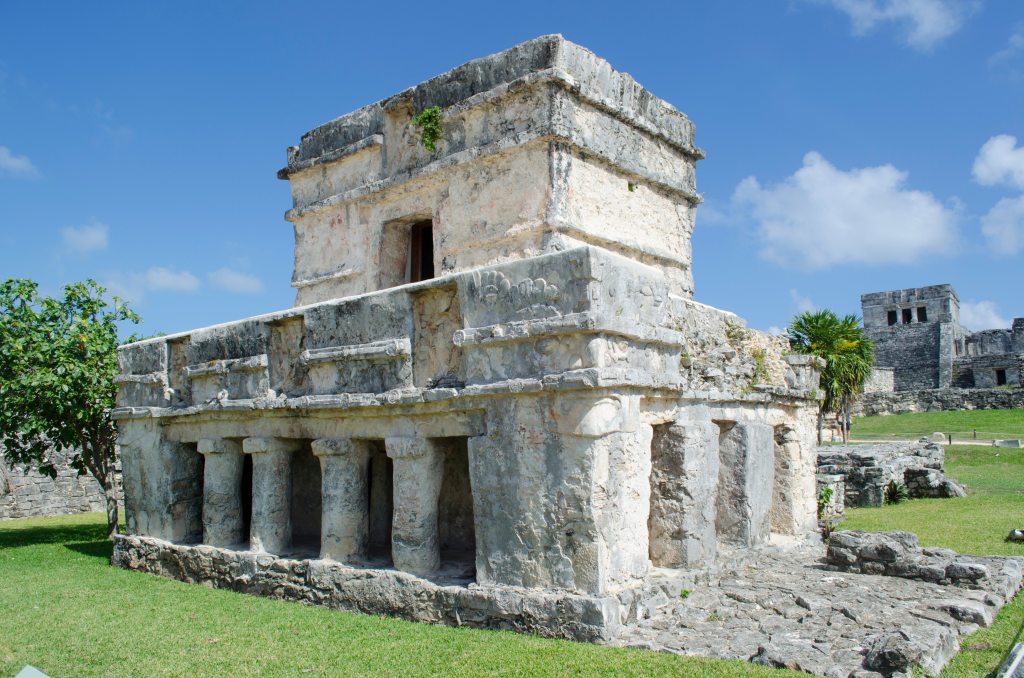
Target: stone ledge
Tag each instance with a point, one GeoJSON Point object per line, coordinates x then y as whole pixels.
{"type": "Point", "coordinates": [374, 591]}
{"type": "Point", "coordinates": [897, 554]}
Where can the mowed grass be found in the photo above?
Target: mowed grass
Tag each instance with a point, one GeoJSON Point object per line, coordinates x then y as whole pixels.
{"type": "Point", "coordinates": [976, 524]}
{"type": "Point", "coordinates": [64, 610]}
{"type": "Point", "coordinates": [985, 422]}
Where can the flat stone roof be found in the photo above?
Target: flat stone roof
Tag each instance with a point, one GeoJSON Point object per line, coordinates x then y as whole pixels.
{"type": "Point", "coordinates": [550, 57]}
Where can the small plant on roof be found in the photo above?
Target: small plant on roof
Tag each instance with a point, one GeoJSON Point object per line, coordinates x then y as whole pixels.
{"type": "Point", "coordinates": [429, 124]}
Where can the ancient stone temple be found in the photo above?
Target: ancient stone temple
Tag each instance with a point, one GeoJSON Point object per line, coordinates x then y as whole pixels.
{"type": "Point", "coordinates": [496, 401]}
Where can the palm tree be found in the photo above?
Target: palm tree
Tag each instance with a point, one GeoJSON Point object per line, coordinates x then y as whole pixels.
{"type": "Point", "coordinates": [848, 354]}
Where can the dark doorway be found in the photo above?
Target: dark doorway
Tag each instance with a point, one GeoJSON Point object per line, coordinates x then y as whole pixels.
{"type": "Point", "coordinates": [455, 508]}
{"type": "Point", "coordinates": [246, 492]}
{"type": "Point", "coordinates": [421, 251]}
{"type": "Point", "coordinates": [922, 314]}
{"type": "Point", "coordinates": [380, 501]}
{"type": "Point", "coordinates": [1000, 377]}
{"type": "Point", "coordinates": [892, 317]}
{"type": "Point", "coordinates": [195, 509]}
{"type": "Point", "coordinates": [307, 502]}
{"type": "Point", "coordinates": [908, 316]}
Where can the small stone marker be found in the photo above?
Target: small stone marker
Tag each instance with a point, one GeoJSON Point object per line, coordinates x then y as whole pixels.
{"type": "Point", "coordinates": [31, 672]}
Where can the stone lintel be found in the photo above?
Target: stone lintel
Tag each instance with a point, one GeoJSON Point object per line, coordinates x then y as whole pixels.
{"type": "Point", "coordinates": [269, 445]}
{"type": "Point", "coordinates": [208, 446]}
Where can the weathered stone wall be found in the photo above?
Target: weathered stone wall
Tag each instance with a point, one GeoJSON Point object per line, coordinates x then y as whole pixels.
{"type": "Point", "coordinates": [917, 333]}
{"type": "Point", "coordinates": [32, 494]}
{"type": "Point", "coordinates": [370, 591]}
{"type": "Point", "coordinates": [543, 147]}
{"type": "Point", "coordinates": [868, 469]}
{"type": "Point", "coordinates": [897, 554]}
{"type": "Point", "coordinates": [912, 351]}
{"type": "Point", "coordinates": [936, 400]}
{"type": "Point", "coordinates": [980, 371]}
{"type": "Point", "coordinates": [881, 381]}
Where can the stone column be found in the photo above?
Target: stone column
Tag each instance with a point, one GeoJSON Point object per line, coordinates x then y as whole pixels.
{"type": "Point", "coordinates": [222, 485]}
{"type": "Point", "coordinates": [271, 530]}
{"type": "Point", "coordinates": [418, 465]}
{"type": "Point", "coordinates": [746, 478]}
{"type": "Point", "coordinates": [345, 524]}
{"type": "Point", "coordinates": [684, 478]}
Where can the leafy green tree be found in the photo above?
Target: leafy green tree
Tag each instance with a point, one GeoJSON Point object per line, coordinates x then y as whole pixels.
{"type": "Point", "coordinates": [58, 360]}
{"type": "Point", "coordinates": [848, 354]}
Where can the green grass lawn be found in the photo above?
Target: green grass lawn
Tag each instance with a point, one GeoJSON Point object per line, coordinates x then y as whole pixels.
{"type": "Point", "coordinates": [985, 422]}
{"type": "Point", "coordinates": [64, 610]}
{"type": "Point", "coordinates": [976, 524]}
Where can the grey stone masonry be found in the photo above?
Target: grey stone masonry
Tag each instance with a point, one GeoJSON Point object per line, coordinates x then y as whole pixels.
{"type": "Point", "coordinates": [495, 376]}
{"type": "Point", "coordinates": [897, 554]}
{"type": "Point", "coordinates": [26, 493]}
{"type": "Point", "coordinates": [784, 606]}
{"type": "Point", "coordinates": [868, 469]}
{"type": "Point", "coordinates": [917, 334]}
{"type": "Point", "coordinates": [938, 400]}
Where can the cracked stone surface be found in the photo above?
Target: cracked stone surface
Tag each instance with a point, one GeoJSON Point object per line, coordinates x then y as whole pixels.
{"type": "Point", "coordinates": [783, 608]}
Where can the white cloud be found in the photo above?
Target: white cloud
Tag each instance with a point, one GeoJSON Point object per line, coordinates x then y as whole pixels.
{"type": "Point", "coordinates": [776, 331]}
{"type": "Point", "coordinates": [1006, 57]}
{"type": "Point", "coordinates": [1003, 226]}
{"type": "Point", "coordinates": [981, 315]}
{"type": "Point", "coordinates": [923, 23]}
{"type": "Point", "coordinates": [1000, 161]}
{"type": "Point", "coordinates": [160, 278]}
{"type": "Point", "coordinates": [236, 281]}
{"type": "Point", "coordinates": [88, 238]}
{"type": "Point", "coordinates": [18, 166]}
{"type": "Point", "coordinates": [822, 216]}
{"type": "Point", "coordinates": [134, 286]}
{"type": "Point", "coordinates": [803, 304]}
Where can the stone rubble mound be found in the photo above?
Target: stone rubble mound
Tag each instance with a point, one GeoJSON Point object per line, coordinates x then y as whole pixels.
{"type": "Point", "coordinates": [868, 469]}
{"type": "Point", "coordinates": [897, 554]}
{"type": "Point", "coordinates": [790, 608]}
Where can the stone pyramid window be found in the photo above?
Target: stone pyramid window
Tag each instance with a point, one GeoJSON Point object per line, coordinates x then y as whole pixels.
{"type": "Point", "coordinates": [922, 314]}
{"type": "Point", "coordinates": [421, 251]}
{"type": "Point", "coordinates": [908, 316]}
{"type": "Point", "coordinates": [892, 317]}
{"type": "Point", "coordinates": [1000, 377]}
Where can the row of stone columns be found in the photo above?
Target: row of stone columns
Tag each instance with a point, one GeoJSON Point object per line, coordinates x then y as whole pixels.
{"type": "Point", "coordinates": [418, 467]}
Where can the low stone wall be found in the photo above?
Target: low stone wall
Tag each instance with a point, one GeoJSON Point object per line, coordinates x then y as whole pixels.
{"type": "Point", "coordinates": [939, 399]}
{"type": "Point", "coordinates": [868, 469]}
{"type": "Point", "coordinates": [23, 495]}
{"type": "Point", "coordinates": [374, 591]}
{"type": "Point", "coordinates": [897, 554]}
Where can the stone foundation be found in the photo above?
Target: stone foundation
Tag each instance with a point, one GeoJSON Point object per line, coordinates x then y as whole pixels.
{"type": "Point", "coordinates": [451, 599]}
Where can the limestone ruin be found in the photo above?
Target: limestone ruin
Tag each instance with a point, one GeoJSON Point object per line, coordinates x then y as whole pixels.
{"type": "Point", "coordinates": [925, 359]}
{"type": "Point", "coordinates": [496, 401]}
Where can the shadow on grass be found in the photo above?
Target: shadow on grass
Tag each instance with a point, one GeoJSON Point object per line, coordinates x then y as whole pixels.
{"type": "Point", "coordinates": [94, 549]}
{"type": "Point", "coordinates": [12, 537]}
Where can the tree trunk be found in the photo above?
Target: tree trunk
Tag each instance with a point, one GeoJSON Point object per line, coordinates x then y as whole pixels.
{"type": "Point", "coordinates": [110, 494]}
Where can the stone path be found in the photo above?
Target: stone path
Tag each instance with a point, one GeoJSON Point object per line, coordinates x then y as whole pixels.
{"type": "Point", "coordinates": [783, 608]}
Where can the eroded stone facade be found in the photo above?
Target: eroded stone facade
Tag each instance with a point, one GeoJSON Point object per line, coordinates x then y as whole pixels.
{"type": "Point", "coordinates": [918, 335]}
{"type": "Point", "coordinates": [528, 433]}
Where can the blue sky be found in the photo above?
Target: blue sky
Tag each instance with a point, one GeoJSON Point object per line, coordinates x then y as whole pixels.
{"type": "Point", "coordinates": [852, 145]}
